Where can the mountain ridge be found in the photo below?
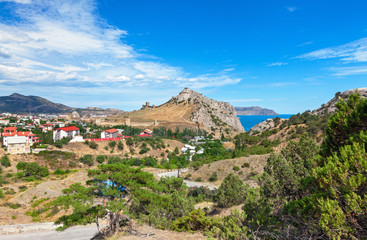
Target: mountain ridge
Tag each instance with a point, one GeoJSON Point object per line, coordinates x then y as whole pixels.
{"type": "Point", "coordinates": [254, 110]}
{"type": "Point", "coordinates": [18, 103]}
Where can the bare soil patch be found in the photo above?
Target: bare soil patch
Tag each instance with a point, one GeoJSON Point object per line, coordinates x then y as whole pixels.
{"type": "Point", "coordinates": [225, 167]}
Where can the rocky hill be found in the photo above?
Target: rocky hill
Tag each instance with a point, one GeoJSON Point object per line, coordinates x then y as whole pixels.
{"type": "Point", "coordinates": [329, 107]}
{"type": "Point", "coordinates": [254, 111]}
{"type": "Point", "coordinates": [18, 103]}
{"type": "Point", "coordinates": [188, 109]}
{"type": "Point", "coordinates": [211, 113]}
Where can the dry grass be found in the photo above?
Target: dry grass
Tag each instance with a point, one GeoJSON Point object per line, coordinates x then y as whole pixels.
{"type": "Point", "coordinates": [225, 167]}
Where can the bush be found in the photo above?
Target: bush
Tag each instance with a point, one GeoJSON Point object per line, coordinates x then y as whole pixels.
{"type": "Point", "coordinates": [236, 168]}
{"type": "Point", "coordinates": [101, 158]}
{"type": "Point", "coordinates": [87, 160]}
{"type": "Point", "coordinates": [5, 161]}
{"type": "Point", "coordinates": [112, 144]}
{"type": "Point", "coordinates": [120, 146]}
{"type": "Point", "coordinates": [213, 177]}
{"type": "Point", "coordinates": [32, 170]}
{"type": "Point", "coordinates": [93, 145]}
{"type": "Point", "coordinates": [245, 165]}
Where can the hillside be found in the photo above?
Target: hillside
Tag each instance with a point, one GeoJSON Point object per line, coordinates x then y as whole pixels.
{"type": "Point", "coordinates": [330, 107]}
{"type": "Point", "coordinates": [189, 109]}
{"type": "Point", "coordinates": [254, 111]}
{"type": "Point", "coordinates": [18, 103]}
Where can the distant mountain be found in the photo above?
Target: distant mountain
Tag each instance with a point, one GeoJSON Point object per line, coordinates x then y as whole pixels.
{"type": "Point", "coordinates": [254, 111]}
{"type": "Point", "coordinates": [18, 103]}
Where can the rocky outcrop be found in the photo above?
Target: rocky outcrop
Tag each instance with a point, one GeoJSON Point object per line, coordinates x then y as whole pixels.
{"type": "Point", "coordinates": [254, 111]}
{"type": "Point", "coordinates": [330, 107]}
{"type": "Point", "coordinates": [212, 114]}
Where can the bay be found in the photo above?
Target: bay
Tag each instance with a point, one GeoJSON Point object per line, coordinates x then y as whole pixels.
{"type": "Point", "coordinates": [248, 121]}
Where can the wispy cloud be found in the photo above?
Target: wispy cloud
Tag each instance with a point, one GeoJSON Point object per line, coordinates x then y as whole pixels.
{"type": "Point", "coordinates": [305, 44]}
{"type": "Point", "coordinates": [351, 52]}
{"type": "Point", "coordinates": [346, 71]}
{"type": "Point", "coordinates": [277, 64]}
{"type": "Point", "coordinates": [291, 8]}
{"type": "Point", "coordinates": [66, 44]}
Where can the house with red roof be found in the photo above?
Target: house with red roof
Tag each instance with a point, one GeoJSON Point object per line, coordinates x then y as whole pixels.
{"type": "Point", "coordinates": [110, 133]}
{"type": "Point", "coordinates": [19, 142]}
{"type": "Point", "coordinates": [10, 129]}
{"type": "Point", "coordinates": [67, 132]}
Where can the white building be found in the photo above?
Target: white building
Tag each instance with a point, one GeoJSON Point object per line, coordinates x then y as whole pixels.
{"type": "Point", "coordinates": [68, 132]}
{"type": "Point", "coordinates": [110, 133]}
{"type": "Point", "coordinates": [18, 144]}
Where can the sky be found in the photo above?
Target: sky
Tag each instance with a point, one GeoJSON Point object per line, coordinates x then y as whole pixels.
{"type": "Point", "coordinates": [286, 55]}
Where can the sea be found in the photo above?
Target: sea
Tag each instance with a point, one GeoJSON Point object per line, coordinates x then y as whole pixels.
{"type": "Point", "coordinates": [248, 121]}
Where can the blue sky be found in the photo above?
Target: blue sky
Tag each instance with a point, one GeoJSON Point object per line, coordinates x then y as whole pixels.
{"type": "Point", "coordinates": [289, 56]}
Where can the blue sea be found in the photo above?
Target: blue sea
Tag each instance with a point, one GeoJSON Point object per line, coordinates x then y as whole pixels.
{"type": "Point", "coordinates": [248, 121]}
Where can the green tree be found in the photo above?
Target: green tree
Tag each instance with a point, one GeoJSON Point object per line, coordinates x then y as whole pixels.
{"type": "Point", "coordinates": [231, 192]}
{"type": "Point", "coordinates": [5, 161]}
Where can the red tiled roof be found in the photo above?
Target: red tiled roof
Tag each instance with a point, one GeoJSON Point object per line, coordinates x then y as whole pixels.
{"type": "Point", "coordinates": [110, 130]}
{"type": "Point", "coordinates": [68, 129]}
{"type": "Point", "coordinates": [8, 134]}
{"type": "Point", "coordinates": [10, 129]}
{"type": "Point", "coordinates": [17, 133]}
{"type": "Point", "coordinates": [23, 133]}
{"type": "Point", "coordinates": [144, 135]}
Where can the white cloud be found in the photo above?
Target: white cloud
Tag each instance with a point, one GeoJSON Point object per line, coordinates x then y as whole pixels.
{"type": "Point", "coordinates": [17, 1]}
{"type": "Point", "coordinates": [346, 71]}
{"type": "Point", "coordinates": [65, 43]}
{"type": "Point", "coordinates": [291, 8]}
{"type": "Point", "coordinates": [351, 52]}
{"type": "Point", "coordinates": [277, 64]}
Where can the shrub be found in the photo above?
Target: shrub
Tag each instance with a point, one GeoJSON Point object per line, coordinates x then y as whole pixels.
{"type": "Point", "coordinates": [101, 158]}
{"type": "Point", "coordinates": [87, 159]}
{"type": "Point", "coordinates": [213, 177]}
{"type": "Point", "coordinates": [5, 161]}
{"type": "Point", "coordinates": [112, 144]}
{"type": "Point", "coordinates": [246, 164]}
{"type": "Point", "coordinates": [93, 145]}
{"type": "Point", "coordinates": [32, 170]}
{"type": "Point", "coordinates": [120, 146]}
{"type": "Point", "coordinates": [236, 168]}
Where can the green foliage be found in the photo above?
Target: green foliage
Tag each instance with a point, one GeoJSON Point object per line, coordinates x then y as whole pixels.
{"type": "Point", "coordinates": [236, 168]}
{"type": "Point", "coordinates": [61, 142]}
{"type": "Point", "coordinates": [87, 160]}
{"type": "Point", "coordinates": [129, 141]}
{"type": "Point", "coordinates": [120, 146]}
{"type": "Point", "coordinates": [213, 177]}
{"type": "Point", "coordinates": [32, 170]}
{"type": "Point", "coordinates": [5, 162]}
{"type": "Point", "coordinates": [112, 144]}
{"type": "Point", "coordinates": [347, 122]}
{"type": "Point", "coordinates": [93, 145]}
{"type": "Point", "coordinates": [231, 192]}
{"type": "Point", "coordinates": [101, 158]}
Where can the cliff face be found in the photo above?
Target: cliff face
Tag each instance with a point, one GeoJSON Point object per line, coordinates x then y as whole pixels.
{"type": "Point", "coordinates": [254, 111]}
{"type": "Point", "coordinates": [330, 107]}
{"type": "Point", "coordinates": [212, 114]}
